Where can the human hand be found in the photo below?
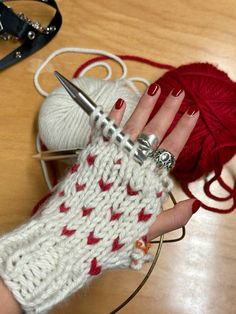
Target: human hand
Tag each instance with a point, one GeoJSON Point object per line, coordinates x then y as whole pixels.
{"type": "Point", "coordinates": [95, 215]}
{"type": "Point", "coordinates": [180, 214]}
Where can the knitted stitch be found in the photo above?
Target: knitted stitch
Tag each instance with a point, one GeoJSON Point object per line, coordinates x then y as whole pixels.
{"type": "Point", "coordinates": [89, 224]}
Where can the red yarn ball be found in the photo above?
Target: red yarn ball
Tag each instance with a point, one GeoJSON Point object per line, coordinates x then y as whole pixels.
{"type": "Point", "coordinates": [213, 141]}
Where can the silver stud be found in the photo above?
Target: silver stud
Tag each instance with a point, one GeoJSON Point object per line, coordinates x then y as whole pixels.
{"type": "Point", "coordinates": [52, 28]}
{"type": "Point", "coordinates": [31, 35]}
{"type": "Point", "coordinates": [18, 54]}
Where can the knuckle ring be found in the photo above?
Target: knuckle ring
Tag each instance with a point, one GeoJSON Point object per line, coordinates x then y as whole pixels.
{"type": "Point", "coordinates": [146, 143]}
{"type": "Point", "coordinates": [164, 159]}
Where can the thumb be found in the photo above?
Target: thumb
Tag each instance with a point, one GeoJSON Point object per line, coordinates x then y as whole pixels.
{"type": "Point", "coordinates": [173, 218]}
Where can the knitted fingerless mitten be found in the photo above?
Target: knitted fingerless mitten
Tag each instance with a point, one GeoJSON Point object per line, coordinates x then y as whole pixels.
{"type": "Point", "coordinates": [91, 223]}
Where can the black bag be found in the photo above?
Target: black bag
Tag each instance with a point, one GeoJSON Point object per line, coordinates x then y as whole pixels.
{"type": "Point", "coordinates": [18, 26]}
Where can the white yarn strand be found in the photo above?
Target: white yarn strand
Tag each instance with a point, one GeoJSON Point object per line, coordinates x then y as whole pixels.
{"type": "Point", "coordinates": [98, 64]}
{"type": "Point", "coordinates": [139, 79]}
{"type": "Point", "coordinates": [77, 50]}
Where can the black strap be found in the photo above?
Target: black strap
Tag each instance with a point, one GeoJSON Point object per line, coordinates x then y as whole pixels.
{"type": "Point", "coordinates": [33, 39]}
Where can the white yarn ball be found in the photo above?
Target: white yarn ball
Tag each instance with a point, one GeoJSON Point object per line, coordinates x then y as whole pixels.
{"type": "Point", "coordinates": [63, 125]}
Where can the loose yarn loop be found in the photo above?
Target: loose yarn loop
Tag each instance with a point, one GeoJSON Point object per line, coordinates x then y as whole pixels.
{"type": "Point", "coordinates": [75, 50]}
{"type": "Point", "coordinates": [98, 119]}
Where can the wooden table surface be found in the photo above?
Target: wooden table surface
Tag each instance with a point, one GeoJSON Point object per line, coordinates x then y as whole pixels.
{"type": "Point", "coordinates": [197, 275]}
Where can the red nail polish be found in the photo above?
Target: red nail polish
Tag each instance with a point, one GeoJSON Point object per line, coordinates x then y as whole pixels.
{"type": "Point", "coordinates": [153, 88]}
{"type": "Point", "coordinates": [195, 206]}
{"type": "Point", "coordinates": [192, 110]}
{"type": "Point", "coordinates": [119, 103]}
{"type": "Point", "coordinates": [176, 92]}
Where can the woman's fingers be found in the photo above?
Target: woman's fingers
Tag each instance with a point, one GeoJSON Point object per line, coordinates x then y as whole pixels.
{"type": "Point", "coordinates": [179, 215]}
{"type": "Point", "coordinates": [117, 111]}
{"type": "Point", "coordinates": [162, 120]}
{"type": "Point", "coordinates": [141, 114]}
{"type": "Point", "coordinates": [160, 123]}
{"type": "Point", "coordinates": [177, 139]}
{"type": "Point", "coordinates": [173, 218]}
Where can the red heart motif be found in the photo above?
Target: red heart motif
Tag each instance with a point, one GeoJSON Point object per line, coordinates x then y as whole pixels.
{"type": "Point", "coordinates": [145, 239]}
{"type": "Point", "coordinates": [159, 194]}
{"type": "Point", "coordinates": [130, 191]}
{"type": "Point", "coordinates": [142, 216]}
{"type": "Point", "coordinates": [63, 208]}
{"type": "Point", "coordinates": [116, 245]}
{"type": "Point", "coordinates": [90, 159]}
{"type": "Point", "coordinates": [117, 162]}
{"type": "Point", "coordinates": [87, 211]}
{"type": "Point", "coordinates": [67, 232]}
{"type": "Point", "coordinates": [74, 168]}
{"type": "Point", "coordinates": [104, 186]}
{"type": "Point", "coordinates": [115, 216]}
{"type": "Point", "coordinates": [80, 186]}
{"type": "Point", "coordinates": [91, 239]}
{"type": "Point", "coordinates": [94, 268]}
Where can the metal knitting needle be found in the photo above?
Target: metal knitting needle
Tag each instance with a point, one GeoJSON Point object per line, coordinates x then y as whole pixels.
{"type": "Point", "coordinates": [89, 106]}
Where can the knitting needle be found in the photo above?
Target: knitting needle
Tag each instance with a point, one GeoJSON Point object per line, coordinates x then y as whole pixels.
{"type": "Point", "coordinates": [89, 107]}
{"type": "Point", "coordinates": [58, 154]}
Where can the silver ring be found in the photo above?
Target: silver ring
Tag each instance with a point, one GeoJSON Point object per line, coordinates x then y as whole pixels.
{"type": "Point", "coordinates": [148, 139]}
{"type": "Point", "coordinates": [146, 143]}
{"type": "Point", "coordinates": [164, 159]}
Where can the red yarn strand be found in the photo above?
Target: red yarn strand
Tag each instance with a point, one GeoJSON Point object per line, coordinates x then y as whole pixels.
{"type": "Point", "coordinates": [124, 57]}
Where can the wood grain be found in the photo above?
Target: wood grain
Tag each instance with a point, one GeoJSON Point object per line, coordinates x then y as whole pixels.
{"type": "Point", "coordinates": [195, 276]}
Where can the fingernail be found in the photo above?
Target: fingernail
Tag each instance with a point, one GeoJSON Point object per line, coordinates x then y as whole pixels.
{"type": "Point", "coordinates": [176, 92]}
{"type": "Point", "coordinates": [196, 205]}
{"type": "Point", "coordinates": [153, 88]}
{"type": "Point", "coordinates": [192, 110]}
{"type": "Point", "coordinates": [119, 103]}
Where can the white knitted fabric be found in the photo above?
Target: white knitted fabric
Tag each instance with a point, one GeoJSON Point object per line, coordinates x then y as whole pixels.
{"type": "Point", "coordinates": [89, 224]}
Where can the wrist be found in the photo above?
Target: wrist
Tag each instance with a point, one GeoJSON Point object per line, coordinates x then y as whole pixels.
{"type": "Point", "coordinates": [11, 306]}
